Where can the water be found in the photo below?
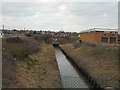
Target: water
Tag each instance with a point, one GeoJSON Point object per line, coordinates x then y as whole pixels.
{"type": "Point", "coordinates": [69, 75]}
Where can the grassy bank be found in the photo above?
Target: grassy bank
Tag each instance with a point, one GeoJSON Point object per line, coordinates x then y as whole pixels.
{"type": "Point", "coordinates": [29, 64]}
{"type": "Point", "coordinates": [100, 62]}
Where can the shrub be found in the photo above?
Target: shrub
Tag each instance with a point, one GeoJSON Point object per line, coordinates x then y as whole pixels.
{"type": "Point", "coordinates": [119, 53]}
{"type": "Point", "coordinates": [14, 40]}
{"type": "Point", "coordinates": [20, 48]}
{"type": "Point", "coordinates": [17, 50]}
{"type": "Point", "coordinates": [45, 37]}
{"type": "Point", "coordinates": [31, 63]}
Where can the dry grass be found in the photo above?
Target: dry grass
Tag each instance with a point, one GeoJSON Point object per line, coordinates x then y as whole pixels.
{"type": "Point", "coordinates": [34, 66]}
{"type": "Point", "coordinates": [44, 74]}
{"type": "Point", "coordinates": [15, 49]}
{"type": "Point", "coordinates": [100, 62]}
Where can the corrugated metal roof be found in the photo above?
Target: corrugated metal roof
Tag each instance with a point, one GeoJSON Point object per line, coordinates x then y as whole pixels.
{"type": "Point", "coordinates": [99, 30]}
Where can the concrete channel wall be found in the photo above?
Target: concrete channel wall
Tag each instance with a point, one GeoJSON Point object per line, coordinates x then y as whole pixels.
{"type": "Point", "coordinates": [90, 79]}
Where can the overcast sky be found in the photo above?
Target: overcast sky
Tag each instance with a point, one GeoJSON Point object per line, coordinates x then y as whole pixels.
{"type": "Point", "coordinates": [55, 16]}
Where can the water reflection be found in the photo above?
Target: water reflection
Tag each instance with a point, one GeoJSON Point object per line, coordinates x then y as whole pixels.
{"type": "Point", "coordinates": [69, 75]}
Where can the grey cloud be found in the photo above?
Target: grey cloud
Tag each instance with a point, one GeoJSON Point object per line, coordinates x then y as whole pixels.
{"type": "Point", "coordinates": [22, 9]}
{"type": "Point", "coordinates": [93, 8]}
{"type": "Point", "coordinates": [76, 16]}
{"type": "Point", "coordinates": [15, 9]}
{"type": "Point", "coordinates": [80, 8]}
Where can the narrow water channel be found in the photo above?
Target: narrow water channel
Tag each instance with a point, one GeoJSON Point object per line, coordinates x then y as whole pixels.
{"type": "Point", "coordinates": [69, 75]}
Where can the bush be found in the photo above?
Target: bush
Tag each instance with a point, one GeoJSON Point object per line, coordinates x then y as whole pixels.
{"type": "Point", "coordinates": [20, 48]}
{"type": "Point", "coordinates": [119, 53]}
{"type": "Point", "coordinates": [14, 40]}
{"type": "Point", "coordinates": [17, 50]}
{"type": "Point", "coordinates": [31, 63]}
{"type": "Point", "coordinates": [46, 38]}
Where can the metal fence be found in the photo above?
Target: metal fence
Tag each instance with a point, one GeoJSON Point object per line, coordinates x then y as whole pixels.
{"type": "Point", "coordinates": [74, 82]}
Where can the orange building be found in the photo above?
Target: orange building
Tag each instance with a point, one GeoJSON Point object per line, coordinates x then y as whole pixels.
{"type": "Point", "coordinates": [99, 36]}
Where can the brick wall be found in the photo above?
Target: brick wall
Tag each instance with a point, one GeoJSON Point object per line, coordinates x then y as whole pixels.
{"type": "Point", "coordinates": [95, 37]}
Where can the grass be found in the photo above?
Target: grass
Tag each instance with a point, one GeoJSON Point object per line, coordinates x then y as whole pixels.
{"type": "Point", "coordinates": [41, 69]}
{"type": "Point", "coordinates": [31, 63]}
{"type": "Point", "coordinates": [20, 48]}
{"type": "Point", "coordinates": [35, 65]}
{"type": "Point", "coordinates": [46, 38]}
{"type": "Point", "coordinates": [15, 50]}
{"type": "Point", "coordinates": [100, 62]}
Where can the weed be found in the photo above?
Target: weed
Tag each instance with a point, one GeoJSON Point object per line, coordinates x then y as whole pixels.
{"type": "Point", "coordinates": [31, 63]}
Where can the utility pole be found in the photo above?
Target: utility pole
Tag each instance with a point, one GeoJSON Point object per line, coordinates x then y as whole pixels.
{"type": "Point", "coordinates": [3, 27]}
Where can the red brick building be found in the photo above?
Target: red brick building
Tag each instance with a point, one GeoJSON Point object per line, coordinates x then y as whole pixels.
{"type": "Point", "coordinates": [100, 35]}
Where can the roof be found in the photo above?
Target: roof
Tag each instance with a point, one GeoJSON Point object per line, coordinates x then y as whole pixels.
{"type": "Point", "coordinates": [99, 30]}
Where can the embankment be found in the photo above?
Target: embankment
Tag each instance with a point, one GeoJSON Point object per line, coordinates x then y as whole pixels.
{"type": "Point", "coordinates": [100, 63]}
{"type": "Point", "coordinates": [29, 64]}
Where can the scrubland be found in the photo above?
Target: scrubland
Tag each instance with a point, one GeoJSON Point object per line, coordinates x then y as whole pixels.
{"type": "Point", "coordinates": [28, 63]}
{"type": "Point", "coordinates": [101, 62]}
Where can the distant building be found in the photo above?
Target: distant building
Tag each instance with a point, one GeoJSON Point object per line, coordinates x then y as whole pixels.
{"type": "Point", "coordinates": [99, 36]}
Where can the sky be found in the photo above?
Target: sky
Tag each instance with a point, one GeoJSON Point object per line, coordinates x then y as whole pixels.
{"type": "Point", "coordinates": [73, 16]}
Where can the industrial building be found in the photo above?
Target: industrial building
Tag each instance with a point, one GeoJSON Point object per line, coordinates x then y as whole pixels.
{"type": "Point", "coordinates": [99, 36]}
